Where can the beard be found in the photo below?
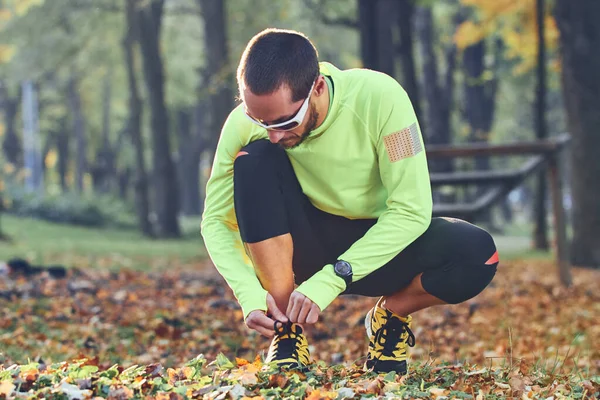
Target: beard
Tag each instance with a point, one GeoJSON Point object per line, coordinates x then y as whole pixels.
{"type": "Point", "coordinates": [313, 117]}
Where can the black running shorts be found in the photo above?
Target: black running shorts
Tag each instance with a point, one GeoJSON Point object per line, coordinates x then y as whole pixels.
{"type": "Point", "coordinates": [457, 259]}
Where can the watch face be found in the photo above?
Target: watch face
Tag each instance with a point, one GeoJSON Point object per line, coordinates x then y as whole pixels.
{"type": "Point", "coordinates": [343, 268]}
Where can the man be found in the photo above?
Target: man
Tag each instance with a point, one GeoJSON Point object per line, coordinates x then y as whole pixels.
{"type": "Point", "coordinates": [320, 180]}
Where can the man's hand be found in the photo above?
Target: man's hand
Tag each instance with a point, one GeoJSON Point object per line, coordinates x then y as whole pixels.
{"type": "Point", "coordinates": [302, 310]}
{"type": "Point", "coordinates": [260, 322]}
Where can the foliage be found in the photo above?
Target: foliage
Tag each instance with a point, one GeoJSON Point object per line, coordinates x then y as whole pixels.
{"type": "Point", "coordinates": [525, 331]}
{"type": "Point", "coordinates": [71, 208]}
{"type": "Point", "coordinates": [46, 243]}
{"type": "Point", "coordinates": [83, 379]}
{"type": "Point", "coordinates": [514, 21]}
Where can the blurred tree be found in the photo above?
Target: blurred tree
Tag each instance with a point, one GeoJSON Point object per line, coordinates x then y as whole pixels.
{"type": "Point", "coordinates": [166, 202]}
{"type": "Point", "coordinates": [579, 44]}
{"type": "Point", "coordinates": [190, 127]}
{"type": "Point", "coordinates": [79, 125]}
{"type": "Point", "coordinates": [515, 22]}
{"type": "Point", "coordinates": [103, 168]}
{"type": "Point", "coordinates": [367, 25]}
{"type": "Point", "coordinates": [134, 122]}
{"type": "Point", "coordinates": [31, 138]}
{"type": "Point", "coordinates": [519, 24]}
{"type": "Point", "coordinates": [406, 18]}
{"type": "Point", "coordinates": [380, 41]}
{"type": "Point", "coordinates": [438, 88]}
{"type": "Point", "coordinates": [218, 80]}
{"type": "Point", "coordinates": [218, 72]}
{"type": "Point", "coordinates": [540, 234]}
{"type": "Point", "coordinates": [62, 147]}
{"type": "Point", "coordinates": [480, 87]}
{"type": "Point", "coordinates": [11, 144]}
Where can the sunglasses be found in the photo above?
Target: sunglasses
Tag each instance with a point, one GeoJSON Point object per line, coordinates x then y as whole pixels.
{"type": "Point", "coordinates": [290, 124]}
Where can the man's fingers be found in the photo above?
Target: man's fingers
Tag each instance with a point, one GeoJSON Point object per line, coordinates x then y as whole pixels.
{"type": "Point", "coordinates": [274, 310]}
{"type": "Point", "coordinates": [313, 315]}
{"type": "Point", "coordinates": [264, 331]}
{"type": "Point", "coordinates": [262, 324]}
{"type": "Point", "coordinates": [304, 310]}
{"type": "Point", "coordinates": [293, 308]}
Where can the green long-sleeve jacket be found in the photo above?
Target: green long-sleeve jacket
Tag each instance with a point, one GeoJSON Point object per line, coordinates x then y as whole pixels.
{"type": "Point", "coordinates": [366, 160]}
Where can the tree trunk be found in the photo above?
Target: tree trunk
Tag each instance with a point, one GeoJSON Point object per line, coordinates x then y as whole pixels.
{"type": "Point", "coordinates": [108, 156]}
{"type": "Point", "coordinates": [199, 128]}
{"type": "Point", "coordinates": [479, 94]}
{"type": "Point", "coordinates": [367, 25]}
{"type": "Point", "coordinates": [62, 146]}
{"type": "Point", "coordinates": [540, 236]}
{"type": "Point", "coordinates": [480, 97]}
{"type": "Point", "coordinates": [11, 143]}
{"type": "Point", "coordinates": [124, 180]}
{"type": "Point", "coordinates": [189, 165]}
{"type": "Point", "coordinates": [579, 44]}
{"type": "Point", "coordinates": [386, 11]}
{"type": "Point", "coordinates": [32, 152]}
{"type": "Point", "coordinates": [103, 168]}
{"type": "Point", "coordinates": [406, 15]}
{"type": "Point", "coordinates": [165, 178]}
{"type": "Point", "coordinates": [134, 123]}
{"type": "Point", "coordinates": [439, 97]}
{"type": "Point", "coordinates": [78, 122]}
{"type": "Point", "coordinates": [218, 72]}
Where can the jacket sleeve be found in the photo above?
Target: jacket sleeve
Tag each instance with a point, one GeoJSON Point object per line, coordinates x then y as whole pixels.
{"type": "Point", "coordinates": [219, 225]}
{"type": "Point", "coordinates": [404, 173]}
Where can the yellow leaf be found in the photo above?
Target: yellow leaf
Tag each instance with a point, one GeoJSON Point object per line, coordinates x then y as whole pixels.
{"type": "Point", "coordinates": [467, 34]}
{"type": "Point", "coordinates": [51, 159]}
{"type": "Point", "coordinates": [5, 15]}
{"type": "Point", "coordinates": [22, 6]}
{"type": "Point", "coordinates": [517, 23]}
{"type": "Point", "coordinates": [188, 372]}
{"type": "Point", "coordinates": [6, 53]}
{"type": "Point", "coordinates": [9, 168]}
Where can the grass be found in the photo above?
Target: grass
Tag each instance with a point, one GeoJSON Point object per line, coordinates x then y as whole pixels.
{"type": "Point", "coordinates": [44, 242]}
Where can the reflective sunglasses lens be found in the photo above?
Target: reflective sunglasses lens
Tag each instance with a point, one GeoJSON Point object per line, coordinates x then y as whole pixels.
{"type": "Point", "coordinates": [288, 126]}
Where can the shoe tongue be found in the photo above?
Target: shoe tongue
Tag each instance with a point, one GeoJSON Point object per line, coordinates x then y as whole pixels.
{"type": "Point", "coordinates": [391, 314]}
{"type": "Point", "coordinates": [287, 328]}
{"type": "Point", "coordinates": [295, 328]}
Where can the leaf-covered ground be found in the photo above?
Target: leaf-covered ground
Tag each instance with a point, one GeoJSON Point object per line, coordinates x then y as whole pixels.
{"type": "Point", "coordinates": [525, 335]}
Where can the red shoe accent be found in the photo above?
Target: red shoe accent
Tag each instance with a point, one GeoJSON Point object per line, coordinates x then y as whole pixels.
{"type": "Point", "coordinates": [493, 259]}
{"type": "Point", "coordinates": [241, 153]}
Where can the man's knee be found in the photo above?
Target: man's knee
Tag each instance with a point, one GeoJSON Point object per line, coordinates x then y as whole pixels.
{"type": "Point", "coordinates": [469, 274]}
{"type": "Point", "coordinates": [259, 149]}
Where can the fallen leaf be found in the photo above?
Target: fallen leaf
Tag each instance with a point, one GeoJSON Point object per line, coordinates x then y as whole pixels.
{"type": "Point", "coordinates": [6, 388]}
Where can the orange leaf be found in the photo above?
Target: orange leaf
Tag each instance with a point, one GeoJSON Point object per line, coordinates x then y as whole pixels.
{"type": "Point", "coordinates": [241, 361]}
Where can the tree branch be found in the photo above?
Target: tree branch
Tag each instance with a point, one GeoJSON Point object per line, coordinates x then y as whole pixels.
{"type": "Point", "coordinates": [87, 5]}
{"type": "Point", "coordinates": [318, 9]}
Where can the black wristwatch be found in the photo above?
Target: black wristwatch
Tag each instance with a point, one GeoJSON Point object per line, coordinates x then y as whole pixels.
{"type": "Point", "coordinates": [343, 269]}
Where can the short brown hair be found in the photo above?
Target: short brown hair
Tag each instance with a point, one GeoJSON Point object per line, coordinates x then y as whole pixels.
{"type": "Point", "coordinates": [275, 57]}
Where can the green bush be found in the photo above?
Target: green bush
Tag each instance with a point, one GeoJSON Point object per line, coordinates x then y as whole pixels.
{"type": "Point", "coordinates": [98, 211]}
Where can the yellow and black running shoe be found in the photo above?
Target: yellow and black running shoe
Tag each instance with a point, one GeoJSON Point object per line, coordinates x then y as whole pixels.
{"type": "Point", "coordinates": [289, 347]}
{"type": "Point", "coordinates": [389, 335]}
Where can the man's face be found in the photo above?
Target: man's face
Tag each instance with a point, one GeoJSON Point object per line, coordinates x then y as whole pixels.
{"type": "Point", "coordinates": [278, 107]}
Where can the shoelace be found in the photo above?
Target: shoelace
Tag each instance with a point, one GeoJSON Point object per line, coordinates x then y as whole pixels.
{"type": "Point", "coordinates": [288, 346]}
{"type": "Point", "coordinates": [394, 328]}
